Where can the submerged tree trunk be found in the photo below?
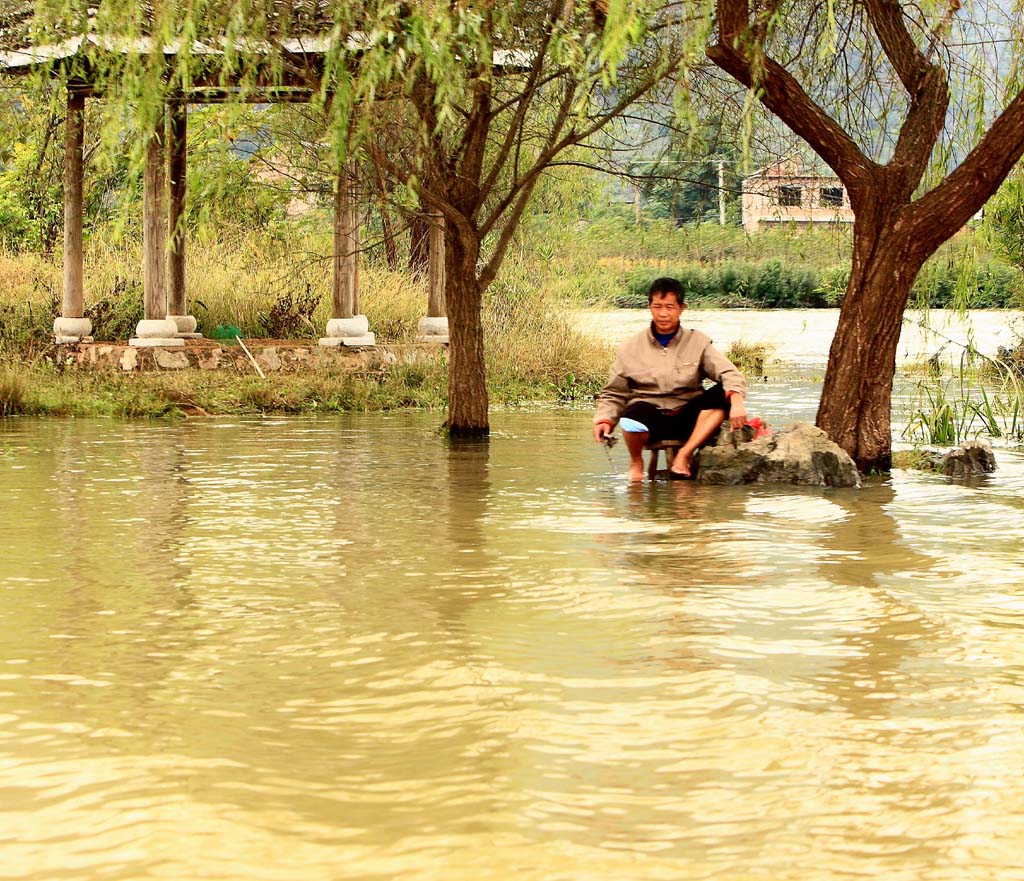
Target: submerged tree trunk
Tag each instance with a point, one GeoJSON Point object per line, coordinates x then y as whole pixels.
{"type": "Point", "coordinates": [467, 378]}
{"type": "Point", "coordinates": [856, 399]}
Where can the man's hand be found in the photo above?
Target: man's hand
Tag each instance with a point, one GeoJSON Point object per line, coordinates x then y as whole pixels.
{"type": "Point", "coordinates": [601, 429]}
{"type": "Point", "coordinates": [737, 411]}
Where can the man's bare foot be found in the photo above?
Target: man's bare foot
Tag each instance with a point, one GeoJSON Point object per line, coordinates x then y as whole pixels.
{"type": "Point", "coordinates": [681, 465]}
{"type": "Point", "coordinates": [636, 470]}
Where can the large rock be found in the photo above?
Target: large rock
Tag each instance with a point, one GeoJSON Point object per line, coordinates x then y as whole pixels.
{"type": "Point", "coordinates": [798, 454]}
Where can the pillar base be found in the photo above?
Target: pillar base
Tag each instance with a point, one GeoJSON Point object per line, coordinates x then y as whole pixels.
{"type": "Point", "coordinates": [72, 330]}
{"type": "Point", "coordinates": [433, 329]}
{"type": "Point", "coordinates": [186, 325]}
{"type": "Point", "coordinates": [155, 332]}
{"type": "Point", "coordinates": [354, 331]}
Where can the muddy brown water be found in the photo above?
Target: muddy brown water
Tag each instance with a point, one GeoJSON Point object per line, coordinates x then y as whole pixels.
{"type": "Point", "coordinates": [341, 649]}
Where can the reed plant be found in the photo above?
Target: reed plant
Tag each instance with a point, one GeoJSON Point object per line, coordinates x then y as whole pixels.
{"type": "Point", "coordinates": [948, 411]}
{"type": "Point", "coordinates": [751, 358]}
{"type": "Point", "coordinates": [534, 348]}
{"type": "Point", "coordinates": [14, 395]}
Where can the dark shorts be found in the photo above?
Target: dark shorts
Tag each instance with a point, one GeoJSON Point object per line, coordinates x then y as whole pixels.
{"type": "Point", "coordinates": [676, 424]}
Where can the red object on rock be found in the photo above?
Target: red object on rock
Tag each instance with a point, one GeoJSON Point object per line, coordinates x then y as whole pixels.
{"type": "Point", "coordinates": [761, 428]}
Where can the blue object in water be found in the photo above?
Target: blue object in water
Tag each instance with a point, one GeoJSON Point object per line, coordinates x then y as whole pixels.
{"type": "Point", "coordinates": [632, 426]}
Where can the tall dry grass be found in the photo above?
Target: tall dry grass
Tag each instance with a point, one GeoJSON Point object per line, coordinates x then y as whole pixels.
{"type": "Point", "coordinates": [255, 281]}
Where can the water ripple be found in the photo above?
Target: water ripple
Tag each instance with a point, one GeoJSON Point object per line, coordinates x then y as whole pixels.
{"type": "Point", "coordinates": [338, 648]}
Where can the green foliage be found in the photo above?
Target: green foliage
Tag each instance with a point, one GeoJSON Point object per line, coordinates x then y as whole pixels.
{"type": "Point", "coordinates": [681, 180]}
{"type": "Point", "coordinates": [767, 285]}
{"type": "Point", "coordinates": [31, 180]}
{"type": "Point", "coordinates": [1004, 218]}
{"type": "Point", "coordinates": [968, 284]}
{"type": "Point", "coordinates": [774, 284]}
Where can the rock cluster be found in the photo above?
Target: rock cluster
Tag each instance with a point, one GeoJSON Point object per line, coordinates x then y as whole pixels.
{"type": "Point", "coordinates": [798, 454]}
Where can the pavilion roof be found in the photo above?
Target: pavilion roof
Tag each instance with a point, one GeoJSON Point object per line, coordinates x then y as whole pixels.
{"type": "Point", "coordinates": [288, 18]}
{"type": "Point", "coordinates": [300, 28]}
{"type": "Point", "coordinates": [301, 25]}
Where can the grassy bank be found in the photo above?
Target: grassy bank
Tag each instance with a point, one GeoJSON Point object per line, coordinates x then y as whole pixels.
{"type": "Point", "coordinates": [41, 389]}
{"type": "Point", "coordinates": [264, 286]}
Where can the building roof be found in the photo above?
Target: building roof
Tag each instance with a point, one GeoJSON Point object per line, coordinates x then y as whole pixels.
{"type": "Point", "coordinates": [792, 168]}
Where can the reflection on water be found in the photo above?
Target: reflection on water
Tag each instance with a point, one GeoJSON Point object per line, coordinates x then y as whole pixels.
{"type": "Point", "coordinates": [340, 648]}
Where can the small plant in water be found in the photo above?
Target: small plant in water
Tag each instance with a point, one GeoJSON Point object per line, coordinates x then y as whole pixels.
{"type": "Point", "coordinates": [945, 413]}
{"type": "Point", "coordinates": [750, 358]}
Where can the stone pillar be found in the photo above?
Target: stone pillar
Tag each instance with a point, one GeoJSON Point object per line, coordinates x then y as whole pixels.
{"type": "Point", "coordinates": [434, 327]}
{"type": "Point", "coordinates": [72, 326]}
{"type": "Point", "coordinates": [155, 329]}
{"type": "Point", "coordinates": [177, 303]}
{"type": "Point", "coordinates": [346, 327]}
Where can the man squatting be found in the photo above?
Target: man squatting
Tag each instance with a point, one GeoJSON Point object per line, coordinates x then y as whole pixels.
{"type": "Point", "coordinates": [656, 380]}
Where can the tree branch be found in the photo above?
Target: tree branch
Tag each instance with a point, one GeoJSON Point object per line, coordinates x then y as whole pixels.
{"type": "Point", "coordinates": [780, 92]}
{"type": "Point", "coordinates": [927, 88]}
{"type": "Point", "coordinates": [969, 186]}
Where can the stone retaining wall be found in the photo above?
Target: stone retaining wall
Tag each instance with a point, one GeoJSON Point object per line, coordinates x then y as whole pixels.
{"type": "Point", "coordinates": [271, 355]}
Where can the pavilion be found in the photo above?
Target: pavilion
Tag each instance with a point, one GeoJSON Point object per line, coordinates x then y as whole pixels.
{"type": "Point", "coordinates": [165, 316]}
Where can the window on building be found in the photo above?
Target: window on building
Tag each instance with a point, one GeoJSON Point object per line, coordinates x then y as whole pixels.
{"type": "Point", "coordinates": [831, 197]}
{"type": "Point", "coordinates": [790, 196]}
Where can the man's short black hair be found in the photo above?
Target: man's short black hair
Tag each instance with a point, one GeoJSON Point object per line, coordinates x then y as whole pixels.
{"type": "Point", "coordinates": [667, 286]}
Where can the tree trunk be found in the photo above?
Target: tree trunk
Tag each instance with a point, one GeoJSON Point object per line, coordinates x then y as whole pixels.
{"type": "Point", "coordinates": [856, 400]}
{"type": "Point", "coordinates": [419, 242]}
{"type": "Point", "coordinates": [388, 229]}
{"type": "Point", "coordinates": [467, 374]}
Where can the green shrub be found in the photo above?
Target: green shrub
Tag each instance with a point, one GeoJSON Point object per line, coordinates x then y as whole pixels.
{"type": "Point", "coordinates": [775, 284]}
{"type": "Point", "coordinates": [832, 285]}
{"type": "Point", "coordinates": [986, 284]}
{"type": "Point", "coordinates": [770, 284]}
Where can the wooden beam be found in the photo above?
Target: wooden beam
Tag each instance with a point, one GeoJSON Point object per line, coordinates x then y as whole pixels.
{"type": "Point", "coordinates": [154, 227]}
{"type": "Point", "coordinates": [73, 305]}
{"type": "Point", "coordinates": [177, 136]}
{"type": "Point", "coordinates": [436, 307]}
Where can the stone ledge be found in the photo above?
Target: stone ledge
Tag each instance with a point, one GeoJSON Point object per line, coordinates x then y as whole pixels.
{"type": "Point", "coordinates": [292, 356]}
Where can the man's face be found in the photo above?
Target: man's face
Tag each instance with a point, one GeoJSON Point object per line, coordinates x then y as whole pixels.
{"type": "Point", "coordinates": [665, 312]}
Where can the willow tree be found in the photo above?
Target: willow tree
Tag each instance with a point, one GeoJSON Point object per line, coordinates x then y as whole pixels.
{"type": "Point", "coordinates": [886, 93]}
{"type": "Point", "coordinates": [496, 92]}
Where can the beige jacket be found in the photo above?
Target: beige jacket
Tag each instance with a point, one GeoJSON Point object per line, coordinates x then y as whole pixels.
{"type": "Point", "coordinates": [667, 377]}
